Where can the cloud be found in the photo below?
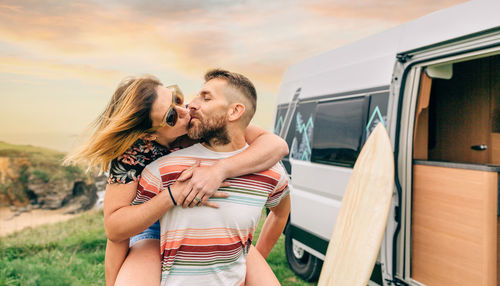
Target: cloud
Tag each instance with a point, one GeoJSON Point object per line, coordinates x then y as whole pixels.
{"type": "Point", "coordinates": [188, 37]}
{"type": "Point", "coordinates": [48, 70]}
{"type": "Point", "coordinates": [260, 39]}
{"type": "Point", "coordinates": [391, 10]}
{"type": "Point", "coordinates": [100, 41]}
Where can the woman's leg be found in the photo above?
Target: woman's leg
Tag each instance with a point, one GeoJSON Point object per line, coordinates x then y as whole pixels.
{"type": "Point", "coordinates": [115, 255]}
{"type": "Point", "coordinates": [142, 265]}
{"type": "Point", "coordinates": [258, 271]}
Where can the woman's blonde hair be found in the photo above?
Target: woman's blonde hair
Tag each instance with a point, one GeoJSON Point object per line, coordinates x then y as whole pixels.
{"type": "Point", "coordinates": [125, 119]}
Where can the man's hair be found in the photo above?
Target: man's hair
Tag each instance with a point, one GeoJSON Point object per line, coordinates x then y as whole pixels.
{"type": "Point", "coordinates": [242, 84]}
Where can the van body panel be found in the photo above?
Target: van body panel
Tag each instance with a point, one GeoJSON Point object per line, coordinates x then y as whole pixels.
{"type": "Point", "coordinates": [451, 23]}
{"type": "Point", "coordinates": [370, 73]}
{"type": "Point", "coordinates": [326, 177]}
{"type": "Point", "coordinates": [314, 222]}
{"type": "Point", "coordinates": [318, 187]}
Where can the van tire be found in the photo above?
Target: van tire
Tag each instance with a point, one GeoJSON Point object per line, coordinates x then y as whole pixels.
{"type": "Point", "coordinates": [308, 267]}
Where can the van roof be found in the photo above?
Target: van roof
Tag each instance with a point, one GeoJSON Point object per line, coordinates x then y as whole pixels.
{"type": "Point", "coordinates": [369, 63]}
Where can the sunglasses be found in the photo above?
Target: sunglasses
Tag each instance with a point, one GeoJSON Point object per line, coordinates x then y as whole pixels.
{"type": "Point", "coordinates": [171, 116]}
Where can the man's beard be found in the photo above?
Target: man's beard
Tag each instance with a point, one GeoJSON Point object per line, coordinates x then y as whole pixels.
{"type": "Point", "coordinates": [212, 131]}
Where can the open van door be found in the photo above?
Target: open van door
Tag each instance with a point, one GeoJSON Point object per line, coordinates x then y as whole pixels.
{"type": "Point", "coordinates": [447, 151]}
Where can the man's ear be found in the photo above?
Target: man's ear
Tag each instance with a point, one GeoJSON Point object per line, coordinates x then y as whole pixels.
{"type": "Point", "coordinates": [236, 111]}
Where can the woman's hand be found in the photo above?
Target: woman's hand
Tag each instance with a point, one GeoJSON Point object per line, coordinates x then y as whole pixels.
{"type": "Point", "coordinates": [203, 184]}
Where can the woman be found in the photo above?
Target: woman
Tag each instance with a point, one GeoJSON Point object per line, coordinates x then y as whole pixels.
{"type": "Point", "coordinates": [139, 125]}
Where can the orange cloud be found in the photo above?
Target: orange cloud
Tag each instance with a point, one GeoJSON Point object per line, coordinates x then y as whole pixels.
{"type": "Point", "coordinates": [89, 39]}
{"type": "Point", "coordinates": [189, 40]}
{"type": "Point", "coordinates": [100, 42]}
{"type": "Point", "coordinates": [53, 70]}
{"type": "Point", "coordinates": [390, 10]}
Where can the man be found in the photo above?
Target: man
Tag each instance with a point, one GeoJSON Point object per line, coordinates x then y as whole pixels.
{"type": "Point", "coordinates": [206, 246]}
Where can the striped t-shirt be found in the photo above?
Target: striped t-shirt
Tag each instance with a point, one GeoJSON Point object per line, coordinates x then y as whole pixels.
{"type": "Point", "coordinates": [203, 245]}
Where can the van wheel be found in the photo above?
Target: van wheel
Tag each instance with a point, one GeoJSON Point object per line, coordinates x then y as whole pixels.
{"type": "Point", "coordinates": [305, 265]}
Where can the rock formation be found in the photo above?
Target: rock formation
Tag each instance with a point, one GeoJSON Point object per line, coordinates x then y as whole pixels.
{"type": "Point", "coordinates": [35, 178]}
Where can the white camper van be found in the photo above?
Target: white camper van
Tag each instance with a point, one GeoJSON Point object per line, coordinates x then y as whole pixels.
{"type": "Point", "coordinates": [435, 84]}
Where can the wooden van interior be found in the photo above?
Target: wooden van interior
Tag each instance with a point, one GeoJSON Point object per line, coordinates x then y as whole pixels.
{"type": "Point", "coordinates": [421, 135]}
{"type": "Point", "coordinates": [455, 226]}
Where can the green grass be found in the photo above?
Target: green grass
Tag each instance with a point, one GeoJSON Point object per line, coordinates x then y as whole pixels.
{"type": "Point", "coordinates": [72, 253]}
{"type": "Point", "coordinates": [69, 253]}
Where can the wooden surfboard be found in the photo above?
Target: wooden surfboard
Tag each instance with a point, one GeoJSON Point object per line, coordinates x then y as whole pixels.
{"type": "Point", "coordinates": [362, 218]}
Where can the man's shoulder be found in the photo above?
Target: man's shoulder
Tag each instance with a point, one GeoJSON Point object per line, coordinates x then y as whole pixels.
{"type": "Point", "coordinates": [179, 156]}
{"type": "Point", "coordinates": [191, 151]}
{"type": "Point", "coordinates": [273, 175]}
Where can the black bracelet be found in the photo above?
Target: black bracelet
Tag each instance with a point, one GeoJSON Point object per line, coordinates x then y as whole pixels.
{"type": "Point", "coordinates": [172, 197]}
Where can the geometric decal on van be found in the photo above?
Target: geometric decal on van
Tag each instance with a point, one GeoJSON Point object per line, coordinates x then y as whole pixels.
{"type": "Point", "coordinates": [279, 125]}
{"type": "Point", "coordinates": [304, 150]}
{"type": "Point", "coordinates": [374, 119]}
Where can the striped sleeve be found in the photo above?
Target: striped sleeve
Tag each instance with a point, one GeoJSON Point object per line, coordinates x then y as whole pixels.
{"type": "Point", "coordinates": [149, 185]}
{"type": "Point", "coordinates": [281, 190]}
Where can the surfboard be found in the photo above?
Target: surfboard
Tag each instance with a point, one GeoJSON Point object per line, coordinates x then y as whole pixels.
{"type": "Point", "coordinates": [362, 217]}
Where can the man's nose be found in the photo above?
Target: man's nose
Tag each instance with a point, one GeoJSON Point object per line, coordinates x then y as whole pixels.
{"type": "Point", "coordinates": [192, 106]}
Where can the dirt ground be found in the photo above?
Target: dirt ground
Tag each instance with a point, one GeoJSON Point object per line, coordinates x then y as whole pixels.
{"type": "Point", "coordinates": [10, 223]}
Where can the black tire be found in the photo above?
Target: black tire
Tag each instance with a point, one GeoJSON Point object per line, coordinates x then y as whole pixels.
{"type": "Point", "coordinates": [307, 267]}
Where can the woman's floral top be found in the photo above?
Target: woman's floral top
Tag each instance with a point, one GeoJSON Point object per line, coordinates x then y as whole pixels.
{"type": "Point", "coordinates": [129, 165]}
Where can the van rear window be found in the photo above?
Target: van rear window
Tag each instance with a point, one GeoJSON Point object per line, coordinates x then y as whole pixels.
{"type": "Point", "coordinates": [338, 131]}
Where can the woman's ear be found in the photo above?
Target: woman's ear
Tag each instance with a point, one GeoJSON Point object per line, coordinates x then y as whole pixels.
{"type": "Point", "coordinates": [149, 136]}
{"type": "Point", "coordinates": [236, 111]}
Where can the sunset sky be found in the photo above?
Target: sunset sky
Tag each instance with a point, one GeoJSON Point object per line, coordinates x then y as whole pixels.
{"type": "Point", "coordinates": [60, 61]}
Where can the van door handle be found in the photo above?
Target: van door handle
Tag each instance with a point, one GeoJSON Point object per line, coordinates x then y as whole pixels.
{"type": "Point", "coordinates": [480, 147]}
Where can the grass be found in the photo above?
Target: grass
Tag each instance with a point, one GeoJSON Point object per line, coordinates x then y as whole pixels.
{"type": "Point", "coordinates": [69, 253]}
{"type": "Point", "coordinates": [72, 253]}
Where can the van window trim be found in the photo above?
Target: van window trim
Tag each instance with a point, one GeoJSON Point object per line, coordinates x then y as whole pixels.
{"type": "Point", "coordinates": [344, 95]}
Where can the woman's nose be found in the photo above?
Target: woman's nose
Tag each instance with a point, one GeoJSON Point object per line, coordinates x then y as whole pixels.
{"type": "Point", "coordinates": [182, 111]}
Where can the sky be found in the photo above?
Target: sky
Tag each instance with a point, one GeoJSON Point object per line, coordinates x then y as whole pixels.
{"type": "Point", "coordinates": [60, 61]}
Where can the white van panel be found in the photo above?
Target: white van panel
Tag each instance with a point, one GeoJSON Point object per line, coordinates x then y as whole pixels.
{"type": "Point", "coordinates": [467, 18]}
{"type": "Point", "coordinates": [313, 221]}
{"type": "Point", "coordinates": [317, 194]}
{"type": "Point", "coordinates": [375, 72]}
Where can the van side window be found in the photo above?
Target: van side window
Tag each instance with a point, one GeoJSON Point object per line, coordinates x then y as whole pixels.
{"type": "Point", "coordinates": [339, 131]}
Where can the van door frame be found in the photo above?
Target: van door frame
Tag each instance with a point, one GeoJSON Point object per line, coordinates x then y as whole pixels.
{"type": "Point", "coordinates": [406, 82]}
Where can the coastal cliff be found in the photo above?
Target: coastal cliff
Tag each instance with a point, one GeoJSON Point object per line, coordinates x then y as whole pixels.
{"type": "Point", "coordinates": [33, 177]}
